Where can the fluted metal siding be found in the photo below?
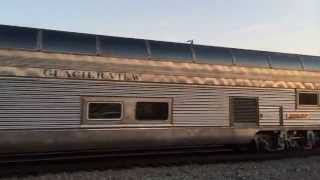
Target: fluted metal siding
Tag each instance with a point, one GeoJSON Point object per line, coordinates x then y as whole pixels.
{"type": "Point", "coordinates": [270, 116]}
{"type": "Point", "coordinates": [37, 102]}
{"type": "Point", "coordinates": [314, 119]}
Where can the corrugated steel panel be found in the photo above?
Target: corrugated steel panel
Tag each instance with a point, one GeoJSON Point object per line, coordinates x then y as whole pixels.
{"type": "Point", "coordinates": [269, 116]}
{"type": "Point", "coordinates": [314, 119]}
{"type": "Point", "coordinates": [51, 103]}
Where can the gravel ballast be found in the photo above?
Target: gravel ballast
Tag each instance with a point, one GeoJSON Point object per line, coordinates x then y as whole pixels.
{"type": "Point", "coordinates": [300, 168]}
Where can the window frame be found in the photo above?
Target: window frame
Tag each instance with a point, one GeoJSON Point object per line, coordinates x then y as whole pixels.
{"type": "Point", "coordinates": [104, 102]}
{"type": "Point", "coordinates": [127, 111]}
{"type": "Point", "coordinates": [85, 100]}
{"type": "Point", "coordinates": [306, 106]}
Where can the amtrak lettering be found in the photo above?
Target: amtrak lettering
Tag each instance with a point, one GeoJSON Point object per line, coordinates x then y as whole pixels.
{"type": "Point", "coordinates": [298, 115]}
{"type": "Point", "coordinates": [74, 74]}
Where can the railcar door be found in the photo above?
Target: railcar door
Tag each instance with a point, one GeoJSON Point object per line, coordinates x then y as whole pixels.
{"type": "Point", "coordinates": [270, 116]}
{"type": "Point", "coordinates": [244, 111]}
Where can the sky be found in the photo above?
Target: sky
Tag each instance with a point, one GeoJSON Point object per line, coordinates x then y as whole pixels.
{"type": "Point", "coordinates": [291, 26]}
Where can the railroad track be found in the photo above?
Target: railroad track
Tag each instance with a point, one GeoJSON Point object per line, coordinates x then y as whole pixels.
{"type": "Point", "coordinates": [72, 162]}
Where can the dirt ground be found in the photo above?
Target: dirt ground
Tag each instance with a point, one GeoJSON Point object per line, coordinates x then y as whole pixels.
{"type": "Point", "coordinates": [288, 169]}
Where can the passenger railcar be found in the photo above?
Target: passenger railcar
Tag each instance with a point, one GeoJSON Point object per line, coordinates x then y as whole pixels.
{"type": "Point", "coordinates": [64, 91]}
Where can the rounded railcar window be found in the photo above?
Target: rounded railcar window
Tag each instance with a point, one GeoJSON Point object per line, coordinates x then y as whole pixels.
{"type": "Point", "coordinates": [308, 99]}
{"type": "Point", "coordinates": [104, 111]}
{"type": "Point", "coordinates": [152, 111]}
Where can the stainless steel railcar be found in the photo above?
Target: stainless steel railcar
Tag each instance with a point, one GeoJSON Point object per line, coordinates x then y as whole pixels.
{"type": "Point", "coordinates": [63, 91]}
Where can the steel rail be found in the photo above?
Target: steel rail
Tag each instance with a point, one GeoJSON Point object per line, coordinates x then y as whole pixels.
{"type": "Point", "coordinates": [100, 161]}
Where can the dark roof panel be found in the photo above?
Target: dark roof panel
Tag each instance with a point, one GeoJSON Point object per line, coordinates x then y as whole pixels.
{"type": "Point", "coordinates": [250, 58]}
{"type": "Point", "coordinates": [19, 38]}
{"type": "Point", "coordinates": [213, 55]}
{"type": "Point", "coordinates": [123, 47]}
{"type": "Point", "coordinates": [69, 42]}
{"type": "Point", "coordinates": [311, 63]}
{"type": "Point", "coordinates": [168, 50]}
{"type": "Point", "coordinates": [285, 61]}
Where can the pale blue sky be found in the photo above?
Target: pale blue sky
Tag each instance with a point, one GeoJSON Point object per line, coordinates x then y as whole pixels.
{"type": "Point", "coordinates": [275, 25]}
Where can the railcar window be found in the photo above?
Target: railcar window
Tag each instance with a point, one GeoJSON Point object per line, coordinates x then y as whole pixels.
{"type": "Point", "coordinates": [213, 55]}
{"type": "Point", "coordinates": [308, 99]}
{"type": "Point", "coordinates": [164, 50]}
{"type": "Point", "coordinates": [152, 110]}
{"type": "Point", "coordinates": [14, 37]}
{"type": "Point", "coordinates": [123, 47]}
{"type": "Point", "coordinates": [311, 63]}
{"type": "Point", "coordinates": [104, 111]}
{"type": "Point", "coordinates": [69, 42]}
{"type": "Point", "coordinates": [250, 58]}
{"type": "Point", "coordinates": [284, 61]}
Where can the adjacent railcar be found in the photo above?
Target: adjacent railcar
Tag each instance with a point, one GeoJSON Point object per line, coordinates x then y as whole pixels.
{"type": "Point", "coordinates": [64, 91]}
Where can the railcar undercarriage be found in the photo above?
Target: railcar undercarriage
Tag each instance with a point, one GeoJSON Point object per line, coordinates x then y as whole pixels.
{"type": "Point", "coordinates": [293, 140]}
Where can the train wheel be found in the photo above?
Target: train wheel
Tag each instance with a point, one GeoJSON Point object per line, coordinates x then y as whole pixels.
{"type": "Point", "coordinates": [266, 142]}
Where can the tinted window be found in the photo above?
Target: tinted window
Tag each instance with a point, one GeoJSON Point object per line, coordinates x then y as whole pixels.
{"type": "Point", "coordinates": [213, 55]}
{"type": "Point", "coordinates": [308, 99]}
{"type": "Point", "coordinates": [311, 63]}
{"type": "Point", "coordinates": [123, 47]}
{"type": "Point", "coordinates": [250, 58]}
{"type": "Point", "coordinates": [13, 37]}
{"type": "Point", "coordinates": [284, 61]}
{"type": "Point", "coordinates": [104, 111]}
{"type": "Point", "coordinates": [69, 42]}
{"type": "Point", "coordinates": [152, 111]}
{"type": "Point", "coordinates": [165, 50]}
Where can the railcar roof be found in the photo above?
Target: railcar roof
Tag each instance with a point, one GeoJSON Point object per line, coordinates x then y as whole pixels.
{"type": "Point", "coordinates": [13, 37]}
